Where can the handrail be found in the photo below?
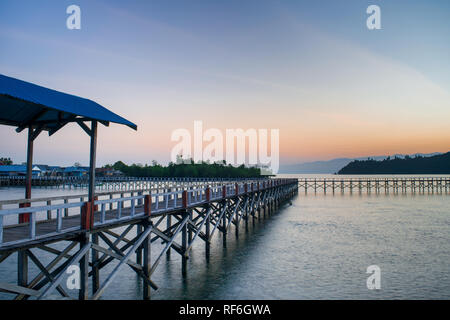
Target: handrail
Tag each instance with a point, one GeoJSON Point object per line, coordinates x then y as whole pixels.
{"type": "Point", "coordinates": [376, 178]}
{"type": "Point", "coordinates": [84, 195]}
{"type": "Point", "coordinates": [159, 202]}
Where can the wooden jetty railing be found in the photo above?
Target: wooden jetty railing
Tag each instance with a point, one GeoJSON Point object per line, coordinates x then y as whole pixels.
{"type": "Point", "coordinates": [372, 184]}
{"type": "Point", "coordinates": [177, 216]}
{"type": "Point", "coordinates": [107, 183]}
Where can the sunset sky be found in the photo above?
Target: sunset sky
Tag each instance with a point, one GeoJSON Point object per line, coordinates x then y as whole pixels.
{"type": "Point", "coordinates": [311, 69]}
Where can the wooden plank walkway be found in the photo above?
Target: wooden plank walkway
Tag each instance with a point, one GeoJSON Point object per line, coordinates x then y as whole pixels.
{"type": "Point", "coordinates": [112, 213]}
{"type": "Point", "coordinates": [376, 184]}
{"type": "Point", "coordinates": [180, 217]}
{"type": "Point", "coordinates": [14, 233]}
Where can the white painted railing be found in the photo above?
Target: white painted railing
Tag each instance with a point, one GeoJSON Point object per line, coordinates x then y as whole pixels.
{"type": "Point", "coordinates": [196, 196]}
{"type": "Point", "coordinates": [34, 219]}
{"type": "Point", "coordinates": [119, 205]}
{"type": "Point", "coordinates": [216, 192]}
{"type": "Point", "coordinates": [241, 188]}
{"type": "Point", "coordinates": [230, 190]}
{"type": "Point", "coordinates": [112, 210]}
{"type": "Point", "coordinates": [126, 179]}
{"type": "Point", "coordinates": [167, 201]}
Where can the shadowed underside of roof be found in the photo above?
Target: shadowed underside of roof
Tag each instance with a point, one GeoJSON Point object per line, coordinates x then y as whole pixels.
{"type": "Point", "coordinates": [23, 104]}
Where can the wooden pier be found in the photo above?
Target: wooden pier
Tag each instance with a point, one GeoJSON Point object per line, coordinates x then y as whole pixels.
{"type": "Point", "coordinates": [376, 185]}
{"type": "Point", "coordinates": [104, 183]}
{"type": "Point", "coordinates": [97, 233]}
{"type": "Point", "coordinates": [120, 224]}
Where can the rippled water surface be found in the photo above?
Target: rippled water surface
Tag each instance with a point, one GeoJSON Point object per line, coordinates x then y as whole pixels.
{"type": "Point", "coordinates": [317, 248]}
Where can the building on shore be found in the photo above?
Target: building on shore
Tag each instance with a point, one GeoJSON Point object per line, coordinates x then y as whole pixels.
{"type": "Point", "coordinates": [55, 171]}
{"type": "Point", "coordinates": [75, 171]}
{"type": "Point", "coordinates": [107, 172]}
{"type": "Point", "coordinates": [19, 170]}
{"type": "Point", "coordinates": [42, 170]}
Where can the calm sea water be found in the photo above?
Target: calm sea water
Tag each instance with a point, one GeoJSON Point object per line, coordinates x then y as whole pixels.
{"type": "Point", "coordinates": [319, 247]}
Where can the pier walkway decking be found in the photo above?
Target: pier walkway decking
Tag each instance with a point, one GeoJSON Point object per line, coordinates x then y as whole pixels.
{"type": "Point", "coordinates": [376, 184]}
{"type": "Point", "coordinates": [177, 216]}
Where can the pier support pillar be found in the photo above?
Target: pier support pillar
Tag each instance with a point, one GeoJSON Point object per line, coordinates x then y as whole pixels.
{"type": "Point", "coordinates": [263, 209]}
{"type": "Point", "coordinates": [246, 215]}
{"type": "Point", "coordinates": [190, 234]}
{"type": "Point", "coordinates": [22, 268]}
{"type": "Point", "coordinates": [208, 237]}
{"type": "Point", "coordinates": [260, 207]}
{"type": "Point", "coordinates": [169, 224]}
{"type": "Point", "coordinates": [147, 245]}
{"type": "Point", "coordinates": [140, 249]}
{"type": "Point", "coordinates": [224, 225]}
{"type": "Point", "coordinates": [183, 248]}
{"type": "Point", "coordinates": [237, 219]}
{"type": "Point", "coordinates": [208, 223]}
{"type": "Point", "coordinates": [95, 269]}
{"type": "Point", "coordinates": [83, 294]}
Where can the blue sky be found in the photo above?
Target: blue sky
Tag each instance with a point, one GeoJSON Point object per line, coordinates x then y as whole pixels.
{"type": "Point", "coordinates": [310, 68]}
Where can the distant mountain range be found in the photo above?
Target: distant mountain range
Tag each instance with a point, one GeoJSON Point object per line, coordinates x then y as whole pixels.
{"type": "Point", "coordinates": [334, 165]}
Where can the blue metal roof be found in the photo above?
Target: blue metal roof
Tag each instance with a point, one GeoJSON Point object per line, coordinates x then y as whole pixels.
{"type": "Point", "coordinates": [15, 168]}
{"type": "Point", "coordinates": [75, 169]}
{"type": "Point", "coordinates": [23, 103]}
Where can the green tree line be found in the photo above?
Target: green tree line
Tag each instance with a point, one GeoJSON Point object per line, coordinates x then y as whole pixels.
{"type": "Point", "coordinates": [5, 161]}
{"type": "Point", "coordinates": [438, 164]}
{"type": "Point", "coordinates": [189, 169]}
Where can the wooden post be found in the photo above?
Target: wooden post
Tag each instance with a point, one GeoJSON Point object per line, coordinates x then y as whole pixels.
{"type": "Point", "coordinates": [184, 235]}
{"type": "Point", "coordinates": [169, 224]}
{"type": "Point", "coordinates": [92, 159]}
{"type": "Point", "coordinates": [261, 206]}
{"type": "Point", "coordinates": [22, 268]}
{"type": "Point", "coordinates": [247, 215]}
{"type": "Point", "coordinates": [236, 221]}
{"type": "Point", "coordinates": [224, 224]}
{"type": "Point", "coordinates": [87, 216]}
{"type": "Point", "coordinates": [25, 217]}
{"type": "Point", "coordinates": [66, 210]}
{"type": "Point", "coordinates": [190, 233]}
{"type": "Point", "coordinates": [184, 199]}
{"type": "Point", "coordinates": [184, 247]}
{"type": "Point", "coordinates": [49, 212]}
{"type": "Point", "coordinates": [146, 292]}
{"type": "Point", "coordinates": [208, 223]}
{"type": "Point", "coordinates": [148, 205]}
{"type": "Point", "coordinates": [140, 249]}
{"type": "Point", "coordinates": [95, 268]}
{"type": "Point", "coordinates": [83, 294]}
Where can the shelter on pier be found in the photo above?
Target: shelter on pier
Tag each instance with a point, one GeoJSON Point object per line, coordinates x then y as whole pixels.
{"type": "Point", "coordinates": [29, 106]}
